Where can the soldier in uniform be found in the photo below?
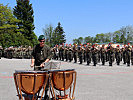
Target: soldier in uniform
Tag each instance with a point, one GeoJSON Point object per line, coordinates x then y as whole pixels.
{"type": "Point", "coordinates": [88, 53]}
{"type": "Point", "coordinates": [118, 54]}
{"type": "Point", "coordinates": [84, 53]}
{"type": "Point", "coordinates": [110, 51]}
{"type": "Point", "coordinates": [128, 54]}
{"type": "Point", "coordinates": [80, 53]}
{"type": "Point", "coordinates": [132, 55]}
{"type": "Point", "coordinates": [124, 54]}
{"type": "Point", "coordinates": [94, 51]}
{"type": "Point", "coordinates": [41, 54]}
{"type": "Point", "coordinates": [66, 52]}
{"type": "Point", "coordinates": [1, 49]}
{"type": "Point", "coordinates": [75, 52]}
{"type": "Point", "coordinates": [103, 54]}
{"type": "Point", "coordinates": [62, 52]}
{"type": "Point", "coordinates": [70, 53]}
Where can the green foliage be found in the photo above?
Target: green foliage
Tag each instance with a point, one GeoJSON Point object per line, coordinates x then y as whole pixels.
{"type": "Point", "coordinates": [124, 35]}
{"type": "Point", "coordinates": [48, 33]}
{"type": "Point", "coordinates": [24, 12]}
{"type": "Point", "coordinates": [58, 35]}
{"type": "Point", "coordinates": [10, 34]}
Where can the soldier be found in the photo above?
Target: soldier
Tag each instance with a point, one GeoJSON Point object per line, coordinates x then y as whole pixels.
{"type": "Point", "coordinates": [1, 49]}
{"type": "Point", "coordinates": [88, 53]}
{"type": "Point", "coordinates": [124, 54]}
{"type": "Point", "coordinates": [118, 54]}
{"type": "Point", "coordinates": [94, 51]}
{"type": "Point", "coordinates": [41, 54]}
{"type": "Point", "coordinates": [75, 52]}
{"type": "Point", "coordinates": [10, 51]}
{"type": "Point", "coordinates": [66, 50]}
{"type": "Point", "coordinates": [128, 54]}
{"type": "Point", "coordinates": [84, 53]}
{"type": "Point", "coordinates": [80, 53]}
{"type": "Point", "coordinates": [62, 52]}
{"type": "Point", "coordinates": [103, 54]}
{"type": "Point", "coordinates": [110, 51]}
{"type": "Point", "coordinates": [132, 55]}
{"type": "Point", "coordinates": [70, 53]}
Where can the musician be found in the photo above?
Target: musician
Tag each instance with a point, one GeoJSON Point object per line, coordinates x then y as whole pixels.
{"type": "Point", "coordinates": [110, 51]}
{"type": "Point", "coordinates": [128, 54]}
{"type": "Point", "coordinates": [132, 55]}
{"type": "Point", "coordinates": [84, 53]}
{"type": "Point", "coordinates": [80, 53]}
{"type": "Point", "coordinates": [75, 53]}
{"type": "Point", "coordinates": [66, 50]}
{"type": "Point", "coordinates": [94, 51]}
{"type": "Point", "coordinates": [103, 54]}
{"type": "Point", "coordinates": [124, 54]}
{"type": "Point", "coordinates": [118, 54]}
{"type": "Point", "coordinates": [88, 53]}
{"type": "Point", "coordinates": [41, 54]}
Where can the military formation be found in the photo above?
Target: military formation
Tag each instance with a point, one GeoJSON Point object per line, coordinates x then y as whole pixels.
{"type": "Point", "coordinates": [16, 52]}
{"type": "Point", "coordinates": [94, 53]}
{"type": "Point", "coordinates": [79, 53]}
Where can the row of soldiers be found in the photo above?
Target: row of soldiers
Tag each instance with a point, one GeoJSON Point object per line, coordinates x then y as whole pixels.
{"type": "Point", "coordinates": [14, 52]}
{"type": "Point", "coordinates": [94, 53]}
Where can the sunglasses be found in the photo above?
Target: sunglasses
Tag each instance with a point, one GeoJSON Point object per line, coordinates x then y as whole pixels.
{"type": "Point", "coordinates": [42, 41]}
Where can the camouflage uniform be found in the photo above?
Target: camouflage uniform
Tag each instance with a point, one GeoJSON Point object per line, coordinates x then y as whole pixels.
{"type": "Point", "coordinates": [132, 55]}
{"type": "Point", "coordinates": [80, 54]}
{"type": "Point", "coordinates": [94, 51]}
{"type": "Point", "coordinates": [1, 49]}
{"type": "Point", "coordinates": [40, 54]}
{"type": "Point", "coordinates": [103, 54]}
{"type": "Point", "coordinates": [70, 54]}
{"type": "Point", "coordinates": [128, 55]}
{"type": "Point", "coordinates": [75, 53]}
{"type": "Point", "coordinates": [110, 50]}
{"type": "Point", "coordinates": [88, 54]}
{"type": "Point", "coordinates": [118, 55]}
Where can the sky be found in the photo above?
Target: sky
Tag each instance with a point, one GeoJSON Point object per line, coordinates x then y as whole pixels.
{"type": "Point", "coordinates": [80, 18]}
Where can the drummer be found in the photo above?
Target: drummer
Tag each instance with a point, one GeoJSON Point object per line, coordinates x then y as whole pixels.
{"type": "Point", "coordinates": [41, 54]}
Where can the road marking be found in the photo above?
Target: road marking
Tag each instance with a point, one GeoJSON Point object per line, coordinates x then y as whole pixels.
{"type": "Point", "coordinates": [109, 73]}
{"type": "Point", "coordinates": [6, 76]}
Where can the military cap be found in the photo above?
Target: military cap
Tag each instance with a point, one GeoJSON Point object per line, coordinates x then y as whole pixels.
{"type": "Point", "coordinates": [41, 37]}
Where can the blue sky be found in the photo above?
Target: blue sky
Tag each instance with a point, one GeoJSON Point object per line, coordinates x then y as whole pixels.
{"type": "Point", "coordinates": [80, 18]}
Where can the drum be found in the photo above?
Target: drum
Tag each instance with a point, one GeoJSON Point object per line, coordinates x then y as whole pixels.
{"type": "Point", "coordinates": [30, 82]}
{"type": "Point", "coordinates": [63, 80]}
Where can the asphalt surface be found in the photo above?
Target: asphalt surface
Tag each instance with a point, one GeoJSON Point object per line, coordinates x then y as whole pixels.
{"type": "Point", "coordinates": [93, 83]}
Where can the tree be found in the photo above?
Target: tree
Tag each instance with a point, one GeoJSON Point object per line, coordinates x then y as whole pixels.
{"type": "Point", "coordinates": [58, 35]}
{"type": "Point", "coordinates": [24, 12]}
{"type": "Point", "coordinates": [116, 36]}
{"type": "Point", "coordinates": [48, 33]}
{"type": "Point", "coordinates": [8, 29]}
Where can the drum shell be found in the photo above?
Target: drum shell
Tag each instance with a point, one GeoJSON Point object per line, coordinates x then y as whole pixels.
{"type": "Point", "coordinates": [62, 80]}
{"type": "Point", "coordinates": [31, 82]}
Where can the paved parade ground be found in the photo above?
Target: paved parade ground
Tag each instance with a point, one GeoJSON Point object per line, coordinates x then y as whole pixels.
{"type": "Point", "coordinates": [93, 83]}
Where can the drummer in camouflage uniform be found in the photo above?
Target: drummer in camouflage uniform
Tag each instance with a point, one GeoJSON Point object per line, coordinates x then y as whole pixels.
{"type": "Point", "coordinates": [41, 54]}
